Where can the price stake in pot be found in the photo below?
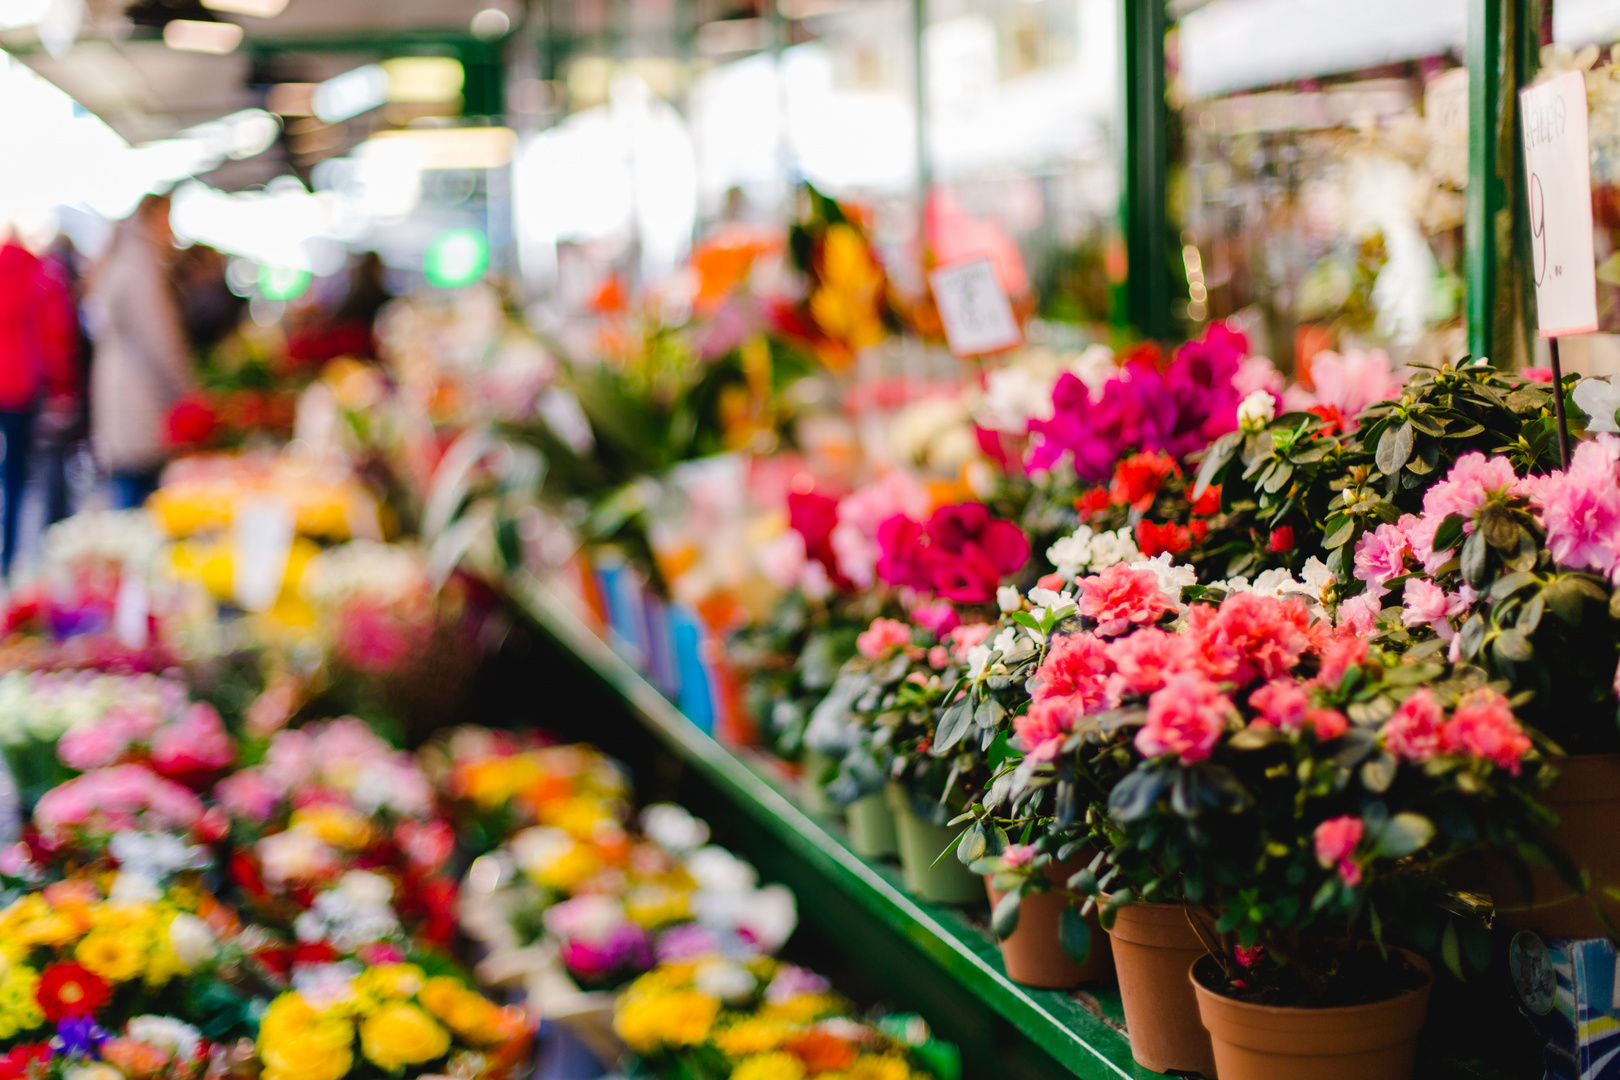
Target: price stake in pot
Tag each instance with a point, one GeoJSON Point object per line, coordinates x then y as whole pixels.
{"type": "Point", "coordinates": [1558, 190]}
{"type": "Point", "coordinates": [1558, 182]}
{"type": "Point", "coordinates": [974, 307]}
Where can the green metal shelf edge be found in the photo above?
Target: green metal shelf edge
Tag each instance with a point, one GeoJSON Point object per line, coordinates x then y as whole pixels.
{"type": "Point", "coordinates": [1079, 1041]}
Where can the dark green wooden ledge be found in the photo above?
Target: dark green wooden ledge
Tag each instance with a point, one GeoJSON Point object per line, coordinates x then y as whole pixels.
{"type": "Point", "coordinates": [856, 922]}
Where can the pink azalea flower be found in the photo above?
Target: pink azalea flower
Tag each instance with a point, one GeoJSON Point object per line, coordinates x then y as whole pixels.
{"type": "Point", "coordinates": [939, 658]}
{"type": "Point", "coordinates": [1017, 855]}
{"type": "Point", "coordinates": [1143, 660]}
{"type": "Point", "coordinates": [1580, 509]}
{"type": "Point", "coordinates": [1380, 556]}
{"type": "Point", "coordinates": [1359, 615]}
{"type": "Point", "coordinates": [1420, 533]}
{"type": "Point", "coordinates": [1351, 381]}
{"type": "Point", "coordinates": [967, 637]}
{"type": "Point", "coordinates": [1472, 480]}
{"type": "Point", "coordinates": [1282, 704]}
{"type": "Point", "coordinates": [1428, 605]}
{"type": "Point", "coordinates": [1076, 669]}
{"type": "Point", "coordinates": [1482, 726]}
{"type": "Point", "coordinates": [1341, 653]}
{"type": "Point", "coordinates": [1185, 718]}
{"type": "Point", "coordinates": [1041, 731]}
{"type": "Point", "coordinates": [193, 748]}
{"type": "Point", "coordinates": [1119, 598]}
{"type": "Point", "coordinates": [1327, 724]}
{"type": "Point", "coordinates": [1413, 733]}
{"type": "Point", "coordinates": [1336, 841]}
{"type": "Point", "coordinates": [883, 637]}
{"type": "Point", "coordinates": [938, 618]}
{"type": "Point", "coordinates": [1251, 637]}
{"type": "Point", "coordinates": [246, 795]}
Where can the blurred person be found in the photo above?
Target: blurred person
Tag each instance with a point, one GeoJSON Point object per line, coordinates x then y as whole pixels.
{"type": "Point", "coordinates": [36, 369]}
{"type": "Point", "coordinates": [348, 330]}
{"type": "Point", "coordinates": [209, 311]}
{"type": "Point", "coordinates": [64, 432]}
{"type": "Point", "coordinates": [142, 364]}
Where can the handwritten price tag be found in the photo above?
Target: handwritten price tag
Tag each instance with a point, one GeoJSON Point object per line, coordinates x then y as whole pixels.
{"type": "Point", "coordinates": [974, 307]}
{"type": "Point", "coordinates": [1559, 185]}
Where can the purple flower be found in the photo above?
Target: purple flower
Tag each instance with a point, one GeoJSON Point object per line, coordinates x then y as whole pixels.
{"type": "Point", "coordinates": [792, 982]}
{"type": "Point", "coordinates": [79, 1036]}
{"type": "Point", "coordinates": [685, 942]}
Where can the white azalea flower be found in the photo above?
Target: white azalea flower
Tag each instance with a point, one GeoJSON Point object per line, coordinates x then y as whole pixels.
{"type": "Point", "coordinates": [1007, 598]}
{"type": "Point", "coordinates": [1111, 548]}
{"type": "Point", "coordinates": [1317, 577]}
{"type": "Point", "coordinates": [1072, 554]}
{"type": "Point", "coordinates": [1051, 602]}
{"type": "Point", "coordinates": [978, 662]}
{"type": "Point", "coordinates": [1275, 583]}
{"type": "Point", "coordinates": [1172, 578]}
{"type": "Point", "coordinates": [1598, 399]}
{"type": "Point", "coordinates": [1257, 410]}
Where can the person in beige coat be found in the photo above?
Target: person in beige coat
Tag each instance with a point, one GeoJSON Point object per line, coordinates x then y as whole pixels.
{"type": "Point", "coordinates": [142, 365]}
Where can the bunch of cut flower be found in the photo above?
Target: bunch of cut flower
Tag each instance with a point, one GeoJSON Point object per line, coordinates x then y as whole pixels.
{"type": "Point", "coordinates": [721, 1018]}
{"type": "Point", "coordinates": [611, 903]}
{"type": "Point", "coordinates": [328, 800]}
{"type": "Point", "coordinates": [494, 783]}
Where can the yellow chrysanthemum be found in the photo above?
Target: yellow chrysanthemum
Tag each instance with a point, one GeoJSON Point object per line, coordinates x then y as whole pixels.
{"type": "Point", "coordinates": [777, 1066]}
{"type": "Point", "coordinates": [19, 1002]}
{"type": "Point", "coordinates": [296, 1042]}
{"type": "Point", "coordinates": [874, 1067]}
{"type": "Point", "coordinates": [754, 1036]}
{"type": "Point", "coordinates": [116, 957]}
{"type": "Point", "coordinates": [802, 1009]}
{"type": "Point", "coordinates": [390, 981]}
{"type": "Point", "coordinates": [666, 977]}
{"type": "Point", "coordinates": [54, 929]}
{"type": "Point", "coordinates": [493, 782]}
{"type": "Point", "coordinates": [400, 1034]}
{"type": "Point", "coordinates": [651, 1021]}
{"type": "Point", "coordinates": [569, 869]}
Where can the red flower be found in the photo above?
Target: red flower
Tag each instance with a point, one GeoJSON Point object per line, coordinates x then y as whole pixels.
{"type": "Point", "coordinates": [813, 516]}
{"type": "Point", "coordinates": [1156, 539]}
{"type": "Point", "coordinates": [192, 421]}
{"type": "Point", "coordinates": [1092, 503]}
{"type": "Point", "coordinates": [1282, 540]}
{"type": "Point", "coordinates": [1139, 477]}
{"type": "Point", "coordinates": [1333, 421]}
{"type": "Point", "coordinates": [1209, 503]}
{"type": "Point", "coordinates": [70, 989]}
{"type": "Point", "coordinates": [19, 1063]}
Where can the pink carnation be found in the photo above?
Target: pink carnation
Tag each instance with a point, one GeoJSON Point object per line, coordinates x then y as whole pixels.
{"type": "Point", "coordinates": [1041, 731]}
{"type": "Point", "coordinates": [883, 637]}
{"type": "Point", "coordinates": [1076, 669]}
{"type": "Point", "coordinates": [1143, 660]}
{"type": "Point", "coordinates": [1336, 841]}
{"type": "Point", "coordinates": [1185, 718]}
{"type": "Point", "coordinates": [1119, 598]}
{"type": "Point", "coordinates": [1282, 704]}
{"type": "Point", "coordinates": [1580, 509]}
{"type": "Point", "coordinates": [1251, 637]}
{"type": "Point", "coordinates": [1380, 556]}
{"type": "Point", "coordinates": [1413, 733]}
{"type": "Point", "coordinates": [1482, 726]}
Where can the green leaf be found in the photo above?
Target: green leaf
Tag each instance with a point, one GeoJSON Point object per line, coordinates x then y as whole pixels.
{"type": "Point", "coordinates": [974, 845]}
{"type": "Point", "coordinates": [1004, 920]}
{"type": "Point", "coordinates": [954, 723]}
{"type": "Point", "coordinates": [1278, 477]}
{"type": "Point", "coordinates": [1378, 773]}
{"type": "Point", "coordinates": [1565, 597]}
{"type": "Point", "coordinates": [1449, 534]}
{"type": "Point", "coordinates": [1473, 636]}
{"type": "Point", "coordinates": [1133, 797]}
{"type": "Point", "coordinates": [1394, 447]}
{"type": "Point", "coordinates": [1074, 933]}
{"type": "Point", "coordinates": [1340, 527]}
{"type": "Point", "coordinates": [1024, 618]}
{"type": "Point", "coordinates": [1449, 950]}
{"type": "Point", "coordinates": [1473, 559]}
{"type": "Point", "coordinates": [1512, 583]}
{"type": "Point", "coordinates": [1215, 460]}
{"type": "Point", "coordinates": [1514, 647]}
{"type": "Point", "coordinates": [1405, 834]}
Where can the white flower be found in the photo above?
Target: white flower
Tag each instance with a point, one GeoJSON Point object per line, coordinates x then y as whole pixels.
{"type": "Point", "coordinates": [1598, 399]}
{"type": "Point", "coordinates": [1274, 583]}
{"type": "Point", "coordinates": [179, 1038]}
{"type": "Point", "coordinates": [1317, 578]}
{"type": "Point", "coordinates": [1107, 549]}
{"type": "Point", "coordinates": [98, 1071]}
{"type": "Point", "coordinates": [718, 869]}
{"type": "Point", "coordinates": [192, 940]}
{"type": "Point", "coordinates": [326, 986]}
{"type": "Point", "coordinates": [1233, 586]}
{"type": "Point", "coordinates": [671, 827]}
{"type": "Point", "coordinates": [1095, 367]}
{"type": "Point", "coordinates": [1172, 578]}
{"type": "Point", "coordinates": [1072, 554]}
{"type": "Point", "coordinates": [1013, 396]}
{"type": "Point", "coordinates": [725, 979]}
{"type": "Point", "coordinates": [534, 850]}
{"type": "Point", "coordinates": [1050, 603]}
{"type": "Point", "coordinates": [156, 856]}
{"type": "Point", "coordinates": [1007, 598]}
{"type": "Point", "coordinates": [1006, 641]}
{"type": "Point", "coordinates": [1256, 410]}
{"type": "Point", "coordinates": [366, 889]}
{"type": "Point", "coordinates": [978, 661]}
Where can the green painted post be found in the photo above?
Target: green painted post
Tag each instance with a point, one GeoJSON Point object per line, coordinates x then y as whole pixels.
{"type": "Point", "coordinates": [1145, 161]}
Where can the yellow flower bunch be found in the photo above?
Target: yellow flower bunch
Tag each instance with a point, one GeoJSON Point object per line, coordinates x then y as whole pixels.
{"type": "Point", "coordinates": [773, 1066]}
{"type": "Point", "coordinates": [468, 1013]}
{"type": "Point", "coordinates": [649, 1022]}
{"type": "Point", "coordinates": [299, 1042]}
{"type": "Point", "coordinates": [120, 940]}
{"type": "Point", "coordinates": [337, 826]}
{"type": "Point", "coordinates": [19, 1001]}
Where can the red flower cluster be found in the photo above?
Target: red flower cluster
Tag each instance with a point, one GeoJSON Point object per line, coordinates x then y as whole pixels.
{"type": "Point", "coordinates": [961, 555]}
{"type": "Point", "coordinates": [1139, 477]}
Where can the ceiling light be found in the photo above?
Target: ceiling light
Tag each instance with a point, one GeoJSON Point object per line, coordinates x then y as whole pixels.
{"type": "Point", "coordinates": [345, 96]}
{"type": "Point", "coordinates": [258, 9]}
{"type": "Point", "coordinates": [424, 80]}
{"type": "Point", "coordinates": [455, 148]}
{"type": "Point", "coordinates": [15, 14]}
{"type": "Point", "coordinates": [491, 23]}
{"type": "Point", "coordinates": [207, 37]}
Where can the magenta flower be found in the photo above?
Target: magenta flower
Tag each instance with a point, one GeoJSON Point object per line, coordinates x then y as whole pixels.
{"type": "Point", "coordinates": [1580, 509]}
{"type": "Point", "coordinates": [1380, 556]}
{"type": "Point", "coordinates": [1185, 718]}
{"type": "Point", "coordinates": [1336, 841]}
{"type": "Point", "coordinates": [1413, 733]}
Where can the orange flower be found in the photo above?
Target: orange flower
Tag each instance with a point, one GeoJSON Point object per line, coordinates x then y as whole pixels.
{"type": "Point", "coordinates": [821, 1051]}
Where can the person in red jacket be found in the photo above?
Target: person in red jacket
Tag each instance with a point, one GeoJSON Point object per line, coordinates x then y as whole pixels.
{"type": "Point", "coordinates": [36, 366]}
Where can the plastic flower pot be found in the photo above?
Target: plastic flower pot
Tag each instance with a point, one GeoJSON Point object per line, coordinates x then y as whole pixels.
{"type": "Point", "coordinates": [1586, 798]}
{"type": "Point", "coordinates": [1034, 953]}
{"type": "Point", "coordinates": [815, 766]}
{"type": "Point", "coordinates": [872, 828]}
{"type": "Point", "coordinates": [927, 856]}
{"type": "Point", "coordinates": [1154, 945]}
{"type": "Point", "coordinates": [1356, 1042]}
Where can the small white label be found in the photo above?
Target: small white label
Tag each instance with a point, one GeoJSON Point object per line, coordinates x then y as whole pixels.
{"type": "Point", "coordinates": [974, 307]}
{"type": "Point", "coordinates": [131, 611]}
{"type": "Point", "coordinates": [1558, 181]}
{"type": "Point", "coordinates": [261, 540]}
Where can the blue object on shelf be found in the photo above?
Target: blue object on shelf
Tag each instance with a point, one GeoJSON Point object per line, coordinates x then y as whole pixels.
{"type": "Point", "coordinates": [626, 621]}
{"type": "Point", "coordinates": [1570, 992]}
{"type": "Point", "coordinates": [696, 680]}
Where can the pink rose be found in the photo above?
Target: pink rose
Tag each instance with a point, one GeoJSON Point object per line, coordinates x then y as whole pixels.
{"type": "Point", "coordinates": [1413, 733]}
{"type": "Point", "coordinates": [1143, 660]}
{"type": "Point", "coordinates": [1075, 669]}
{"type": "Point", "coordinates": [1482, 726]}
{"type": "Point", "coordinates": [1185, 718]}
{"type": "Point", "coordinates": [1120, 598]}
{"type": "Point", "coordinates": [1041, 731]}
{"type": "Point", "coordinates": [1336, 841]}
{"type": "Point", "coordinates": [883, 637]}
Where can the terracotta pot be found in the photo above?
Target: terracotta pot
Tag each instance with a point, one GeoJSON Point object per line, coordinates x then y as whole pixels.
{"type": "Point", "coordinates": [871, 828]}
{"type": "Point", "coordinates": [1357, 1042]}
{"type": "Point", "coordinates": [1586, 798]}
{"type": "Point", "coordinates": [930, 866]}
{"type": "Point", "coordinates": [1034, 953]}
{"type": "Point", "coordinates": [1154, 945]}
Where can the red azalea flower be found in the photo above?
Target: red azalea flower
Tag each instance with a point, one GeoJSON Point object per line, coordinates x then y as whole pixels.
{"type": "Point", "coordinates": [1282, 540]}
{"type": "Point", "coordinates": [1333, 421]}
{"type": "Point", "coordinates": [1139, 477]}
{"type": "Point", "coordinates": [69, 989]}
{"type": "Point", "coordinates": [1155, 539]}
{"type": "Point", "coordinates": [1092, 503]}
{"type": "Point", "coordinates": [314, 952]}
{"type": "Point", "coordinates": [1209, 503]}
{"type": "Point", "coordinates": [192, 421]}
{"type": "Point", "coordinates": [19, 1063]}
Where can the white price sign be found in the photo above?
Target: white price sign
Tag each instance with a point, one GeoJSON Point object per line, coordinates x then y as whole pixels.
{"type": "Point", "coordinates": [974, 307]}
{"type": "Point", "coordinates": [262, 533]}
{"type": "Point", "coordinates": [1558, 181]}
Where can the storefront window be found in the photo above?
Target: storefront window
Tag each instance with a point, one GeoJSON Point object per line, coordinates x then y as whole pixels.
{"type": "Point", "coordinates": [1320, 154]}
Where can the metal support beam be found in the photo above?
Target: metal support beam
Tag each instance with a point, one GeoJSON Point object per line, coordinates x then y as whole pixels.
{"type": "Point", "coordinates": [1146, 161]}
